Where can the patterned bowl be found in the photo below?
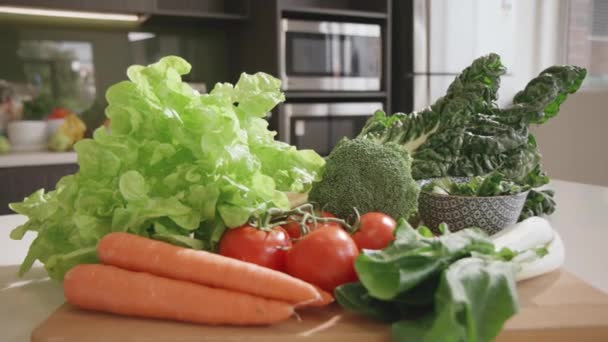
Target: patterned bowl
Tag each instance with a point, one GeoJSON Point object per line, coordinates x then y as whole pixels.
{"type": "Point", "coordinates": [491, 214]}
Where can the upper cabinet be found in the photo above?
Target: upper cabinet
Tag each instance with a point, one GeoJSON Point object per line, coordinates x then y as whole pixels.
{"type": "Point", "coordinates": [218, 9]}
{"type": "Point", "coordinates": [357, 10]}
{"type": "Point", "coordinates": [211, 9]}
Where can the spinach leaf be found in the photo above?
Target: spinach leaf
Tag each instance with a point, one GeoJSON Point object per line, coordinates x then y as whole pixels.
{"type": "Point", "coordinates": [355, 298]}
{"type": "Point", "coordinates": [474, 299]}
{"type": "Point", "coordinates": [413, 258]}
{"type": "Point", "coordinates": [452, 287]}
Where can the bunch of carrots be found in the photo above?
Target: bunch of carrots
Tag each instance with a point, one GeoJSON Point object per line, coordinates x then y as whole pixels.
{"type": "Point", "coordinates": [148, 278]}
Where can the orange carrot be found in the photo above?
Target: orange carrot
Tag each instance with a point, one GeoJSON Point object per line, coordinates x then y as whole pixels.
{"type": "Point", "coordinates": [136, 253]}
{"type": "Point", "coordinates": [112, 289]}
{"type": "Point", "coordinates": [326, 298]}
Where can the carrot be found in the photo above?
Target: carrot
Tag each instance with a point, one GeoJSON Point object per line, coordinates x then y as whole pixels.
{"type": "Point", "coordinates": [326, 298]}
{"type": "Point", "coordinates": [112, 289]}
{"type": "Point", "coordinates": [137, 253]}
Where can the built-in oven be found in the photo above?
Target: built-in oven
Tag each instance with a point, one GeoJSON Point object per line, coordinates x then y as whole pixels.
{"type": "Point", "coordinates": [333, 56]}
{"type": "Point", "coordinates": [319, 126]}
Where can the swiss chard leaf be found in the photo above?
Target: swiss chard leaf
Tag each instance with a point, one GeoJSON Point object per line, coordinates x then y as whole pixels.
{"type": "Point", "coordinates": [464, 133]}
{"type": "Point", "coordinates": [538, 202]}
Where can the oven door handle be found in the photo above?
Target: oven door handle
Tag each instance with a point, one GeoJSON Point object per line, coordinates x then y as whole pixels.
{"type": "Point", "coordinates": [331, 109]}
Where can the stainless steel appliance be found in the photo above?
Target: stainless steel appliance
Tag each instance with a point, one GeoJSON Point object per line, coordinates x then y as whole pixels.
{"type": "Point", "coordinates": [319, 126]}
{"type": "Point", "coordinates": [322, 55]}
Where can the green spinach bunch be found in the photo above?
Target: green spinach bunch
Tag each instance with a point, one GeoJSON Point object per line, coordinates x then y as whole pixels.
{"type": "Point", "coordinates": [454, 287]}
{"type": "Point", "coordinates": [493, 184]}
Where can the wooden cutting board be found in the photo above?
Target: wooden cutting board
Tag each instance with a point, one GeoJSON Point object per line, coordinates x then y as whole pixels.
{"type": "Point", "coordinates": [555, 307]}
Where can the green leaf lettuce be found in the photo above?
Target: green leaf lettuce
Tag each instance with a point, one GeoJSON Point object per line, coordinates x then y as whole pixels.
{"type": "Point", "coordinates": [174, 165]}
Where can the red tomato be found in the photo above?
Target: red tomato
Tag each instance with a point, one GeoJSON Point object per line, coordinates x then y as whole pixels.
{"type": "Point", "coordinates": [265, 248]}
{"type": "Point", "coordinates": [376, 231]}
{"type": "Point", "coordinates": [59, 113]}
{"type": "Point", "coordinates": [324, 258]}
{"type": "Point", "coordinates": [293, 228]}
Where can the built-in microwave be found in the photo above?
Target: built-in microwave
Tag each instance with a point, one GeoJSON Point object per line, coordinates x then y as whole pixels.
{"type": "Point", "coordinates": [333, 56]}
{"type": "Point", "coordinates": [319, 126]}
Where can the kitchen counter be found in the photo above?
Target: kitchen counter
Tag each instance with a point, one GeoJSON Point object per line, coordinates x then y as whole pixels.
{"type": "Point", "coordinates": [37, 159]}
{"type": "Point", "coordinates": [579, 219]}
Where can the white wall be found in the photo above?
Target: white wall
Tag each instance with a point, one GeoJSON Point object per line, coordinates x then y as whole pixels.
{"type": "Point", "coordinates": [574, 144]}
{"type": "Point", "coordinates": [525, 33]}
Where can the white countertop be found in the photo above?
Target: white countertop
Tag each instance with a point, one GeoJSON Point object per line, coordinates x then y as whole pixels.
{"type": "Point", "coordinates": [37, 158]}
{"type": "Point", "coordinates": [580, 219]}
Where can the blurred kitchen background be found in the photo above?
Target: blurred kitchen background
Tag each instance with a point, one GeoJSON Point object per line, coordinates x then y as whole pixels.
{"type": "Point", "coordinates": [339, 60]}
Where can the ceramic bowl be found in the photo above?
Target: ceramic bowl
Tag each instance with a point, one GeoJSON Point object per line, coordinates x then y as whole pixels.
{"type": "Point", "coordinates": [491, 214]}
{"type": "Point", "coordinates": [27, 135]}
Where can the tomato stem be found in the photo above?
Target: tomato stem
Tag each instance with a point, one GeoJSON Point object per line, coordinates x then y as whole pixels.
{"type": "Point", "coordinates": [304, 215]}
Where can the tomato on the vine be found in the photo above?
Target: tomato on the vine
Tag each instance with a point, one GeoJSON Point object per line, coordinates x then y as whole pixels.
{"type": "Point", "coordinates": [324, 257]}
{"type": "Point", "coordinates": [293, 228]}
{"type": "Point", "coordinates": [376, 231]}
{"type": "Point", "coordinates": [265, 248]}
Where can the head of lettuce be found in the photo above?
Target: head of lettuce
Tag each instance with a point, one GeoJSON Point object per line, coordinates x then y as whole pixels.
{"type": "Point", "coordinates": [174, 165]}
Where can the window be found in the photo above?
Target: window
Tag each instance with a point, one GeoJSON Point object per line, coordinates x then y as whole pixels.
{"type": "Point", "coordinates": [588, 39]}
{"type": "Point", "coordinates": [62, 70]}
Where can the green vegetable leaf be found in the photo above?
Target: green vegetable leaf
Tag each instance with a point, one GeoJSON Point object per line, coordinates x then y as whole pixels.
{"type": "Point", "coordinates": [132, 186]}
{"type": "Point", "coordinates": [538, 202]}
{"type": "Point", "coordinates": [465, 134]}
{"type": "Point", "coordinates": [454, 287]}
{"type": "Point", "coordinates": [412, 259]}
{"type": "Point", "coordinates": [175, 165]}
{"type": "Point", "coordinates": [493, 184]}
{"type": "Point", "coordinates": [474, 299]}
{"type": "Point", "coordinates": [355, 298]}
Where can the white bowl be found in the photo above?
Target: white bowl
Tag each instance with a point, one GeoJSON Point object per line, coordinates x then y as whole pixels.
{"type": "Point", "coordinates": [27, 135]}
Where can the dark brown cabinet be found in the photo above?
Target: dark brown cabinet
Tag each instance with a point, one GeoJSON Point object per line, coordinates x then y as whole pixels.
{"type": "Point", "coordinates": [232, 36]}
{"type": "Point", "coordinates": [17, 183]}
{"type": "Point", "coordinates": [215, 9]}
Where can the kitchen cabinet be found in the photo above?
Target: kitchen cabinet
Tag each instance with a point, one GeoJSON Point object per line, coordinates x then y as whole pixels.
{"type": "Point", "coordinates": [117, 6]}
{"type": "Point", "coordinates": [21, 175]}
{"type": "Point", "coordinates": [212, 9]}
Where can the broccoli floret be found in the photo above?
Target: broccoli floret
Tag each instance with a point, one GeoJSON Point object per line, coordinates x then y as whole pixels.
{"type": "Point", "coordinates": [369, 176]}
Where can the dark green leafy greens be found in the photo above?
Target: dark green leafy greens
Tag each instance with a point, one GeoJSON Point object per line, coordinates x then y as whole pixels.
{"type": "Point", "coordinates": [474, 298]}
{"type": "Point", "coordinates": [492, 184]}
{"type": "Point", "coordinates": [38, 108]}
{"type": "Point", "coordinates": [176, 165]}
{"type": "Point", "coordinates": [538, 202]}
{"type": "Point", "coordinates": [465, 134]}
{"type": "Point", "coordinates": [454, 287]}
